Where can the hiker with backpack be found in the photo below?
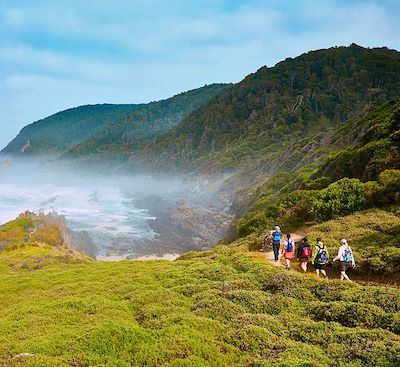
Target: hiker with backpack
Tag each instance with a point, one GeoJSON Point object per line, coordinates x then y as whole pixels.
{"type": "Point", "coordinates": [304, 253]}
{"type": "Point", "coordinates": [288, 250]}
{"type": "Point", "coordinates": [319, 257]}
{"type": "Point", "coordinates": [276, 241]}
{"type": "Point", "coordinates": [346, 258]}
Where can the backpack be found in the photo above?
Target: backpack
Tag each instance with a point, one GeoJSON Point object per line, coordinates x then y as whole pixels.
{"type": "Point", "coordinates": [277, 236]}
{"type": "Point", "coordinates": [347, 256]}
{"type": "Point", "coordinates": [322, 255]}
{"type": "Point", "coordinates": [289, 246]}
{"type": "Point", "coordinates": [306, 251]}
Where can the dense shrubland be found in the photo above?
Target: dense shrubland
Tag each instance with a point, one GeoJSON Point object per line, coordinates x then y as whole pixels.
{"type": "Point", "coordinates": [338, 199]}
{"type": "Point", "coordinates": [217, 308]}
{"type": "Point", "coordinates": [332, 187]}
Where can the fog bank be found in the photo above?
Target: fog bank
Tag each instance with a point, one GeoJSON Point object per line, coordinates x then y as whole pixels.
{"type": "Point", "coordinates": [125, 216]}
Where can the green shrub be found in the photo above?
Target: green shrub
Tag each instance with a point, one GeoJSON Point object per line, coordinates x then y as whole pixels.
{"type": "Point", "coordinates": [350, 314]}
{"type": "Point", "coordinates": [254, 339]}
{"type": "Point", "coordinates": [247, 226]}
{"type": "Point", "coordinates": [287, 285]}
{"type": "Point", "coordinates": [386, 191]}
{"type": "Point", "coordinates": [329, 291]}
{"type": "Point", "coordinates": [297, 208]}
{"type": "Point", "coordinates": [340, 198]}
{"type": "Point", "coordinates": [388, 299]}
{"type": "Point", "coordinates": [253, 301]}
{"type": "Point", "coordinates": [213, 305]}
{"type": "Point", "coordinates": [48, 234]}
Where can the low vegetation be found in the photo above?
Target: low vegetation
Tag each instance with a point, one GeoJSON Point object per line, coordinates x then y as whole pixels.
{"type": "Point", "coordinates": [374, 235]}
{"type": "Point", "coordinates": [218, 308]}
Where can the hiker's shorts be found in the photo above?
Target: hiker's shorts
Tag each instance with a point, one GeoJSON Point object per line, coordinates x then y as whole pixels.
{"type": "Point", "coordinates": [344, 265]}
{"type": "Point", "coordinates": [319, 266]}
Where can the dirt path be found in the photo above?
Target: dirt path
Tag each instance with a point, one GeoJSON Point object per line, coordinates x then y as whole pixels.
{"type": "Point", "coordinates": [269, 255]}
{"type": "Point", "coordinates": [357, 278]}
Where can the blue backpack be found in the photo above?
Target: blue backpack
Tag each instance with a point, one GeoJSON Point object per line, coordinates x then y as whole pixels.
{"type": "Point", "coordinates": [322, 256]}
{"type": "Point", "coordinates": [347, 256]}
{"type": "Point", "coordinates": [277, 236]}
{"type": "Point", "coordinates": [289, 246]}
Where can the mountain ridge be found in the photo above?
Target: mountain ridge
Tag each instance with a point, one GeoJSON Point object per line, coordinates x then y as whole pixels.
{"type": "Point", "coordinates": [41, 133]}
{"type": "Point", "coordinates": [57, 134]}
{"type": "Point", "coordinates": [316, 90]}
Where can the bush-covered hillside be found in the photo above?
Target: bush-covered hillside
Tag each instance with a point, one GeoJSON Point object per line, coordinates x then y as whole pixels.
{"type": "Point", "coordinates": [261, 123]}
{"type": "Point", "coordinates": [61, 131]}
{"type": "Point", "coordinates": [218, 308]}
{"type": "Point", "coordinates": [106, 129]}
{"type": "Point", "coordinates": [337, 185]}
{"type": "Point", "coordinates": [374, 236]}
{"type": "Point", "coordinates": [120, 139]}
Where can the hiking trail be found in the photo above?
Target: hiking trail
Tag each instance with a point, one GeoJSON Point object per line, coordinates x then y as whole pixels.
{"type": "Point", "coordinates": [269, 255]}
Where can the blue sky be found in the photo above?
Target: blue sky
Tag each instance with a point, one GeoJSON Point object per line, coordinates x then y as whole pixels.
{"type": "Point", "coordinates": [64, 53]}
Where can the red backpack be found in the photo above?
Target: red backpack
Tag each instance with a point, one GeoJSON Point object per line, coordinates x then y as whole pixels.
{"type": "Point", "coordinates": [306, 251]}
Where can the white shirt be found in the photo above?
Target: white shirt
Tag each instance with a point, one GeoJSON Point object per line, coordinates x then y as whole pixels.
{"type": "Point", "coordinates": [340, 255]}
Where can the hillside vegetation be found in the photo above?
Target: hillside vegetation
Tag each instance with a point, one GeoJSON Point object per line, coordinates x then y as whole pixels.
{"type": "Point", "coordinates": [374, 236]}
{"type": "Point", "coordinates": [118, 140]}
{"type": "Point", "coordinates": [57, 133]}
{"type": "Point", "coordinates": [363, 175]}
{"type": "Point", "coordinates": [108, 129]}
{"type": "Point", "coordinates": [217, 308]}
{"type": "Point", "coordinates": [260, 124]}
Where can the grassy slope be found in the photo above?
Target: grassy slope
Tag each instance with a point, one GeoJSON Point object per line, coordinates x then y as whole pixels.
{"type": "Point", "coordinates": [219, 308]}
{"type": "Point", "coordinates": [289, 197]}
{"type": "Point", "coordinates": [374, 236]}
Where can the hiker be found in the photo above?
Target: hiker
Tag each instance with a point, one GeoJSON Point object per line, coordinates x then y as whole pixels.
{"type": "Point", "coordinates": [319, 257]}
{"type": "Point", "coordinates": [346, 258]}
{"type": "Point", "coordinates": [276, 241]}
{"type": "Point", "coordinates": [304, 253]}
{"type": "Point", "coordinates": [288, 250]}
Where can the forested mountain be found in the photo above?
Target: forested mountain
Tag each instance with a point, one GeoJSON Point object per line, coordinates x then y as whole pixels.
{"type": "Point", "coordinates": [57, 133]}
{"type": "Point", "coordinates": [363, 174]}
{"type": "Point", "coordinates": [318, 137]}
{"type": "Point", "coordinates": [260, 123]}
{"type": "Point", "coordinates": [121, 138]}
{"type": "Point", "coordinates": [111, 129]}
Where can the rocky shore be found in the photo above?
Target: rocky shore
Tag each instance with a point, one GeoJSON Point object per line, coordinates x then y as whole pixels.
{"type": "Point", "coordinates": [185, 225]}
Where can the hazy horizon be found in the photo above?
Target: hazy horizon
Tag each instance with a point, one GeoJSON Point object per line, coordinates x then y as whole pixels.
{"type": "Point", "coordinates": [103, 206]}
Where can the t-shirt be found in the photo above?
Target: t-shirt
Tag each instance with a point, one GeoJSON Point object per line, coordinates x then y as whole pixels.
{"type": "Point", "coordinates": [341, 252]}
